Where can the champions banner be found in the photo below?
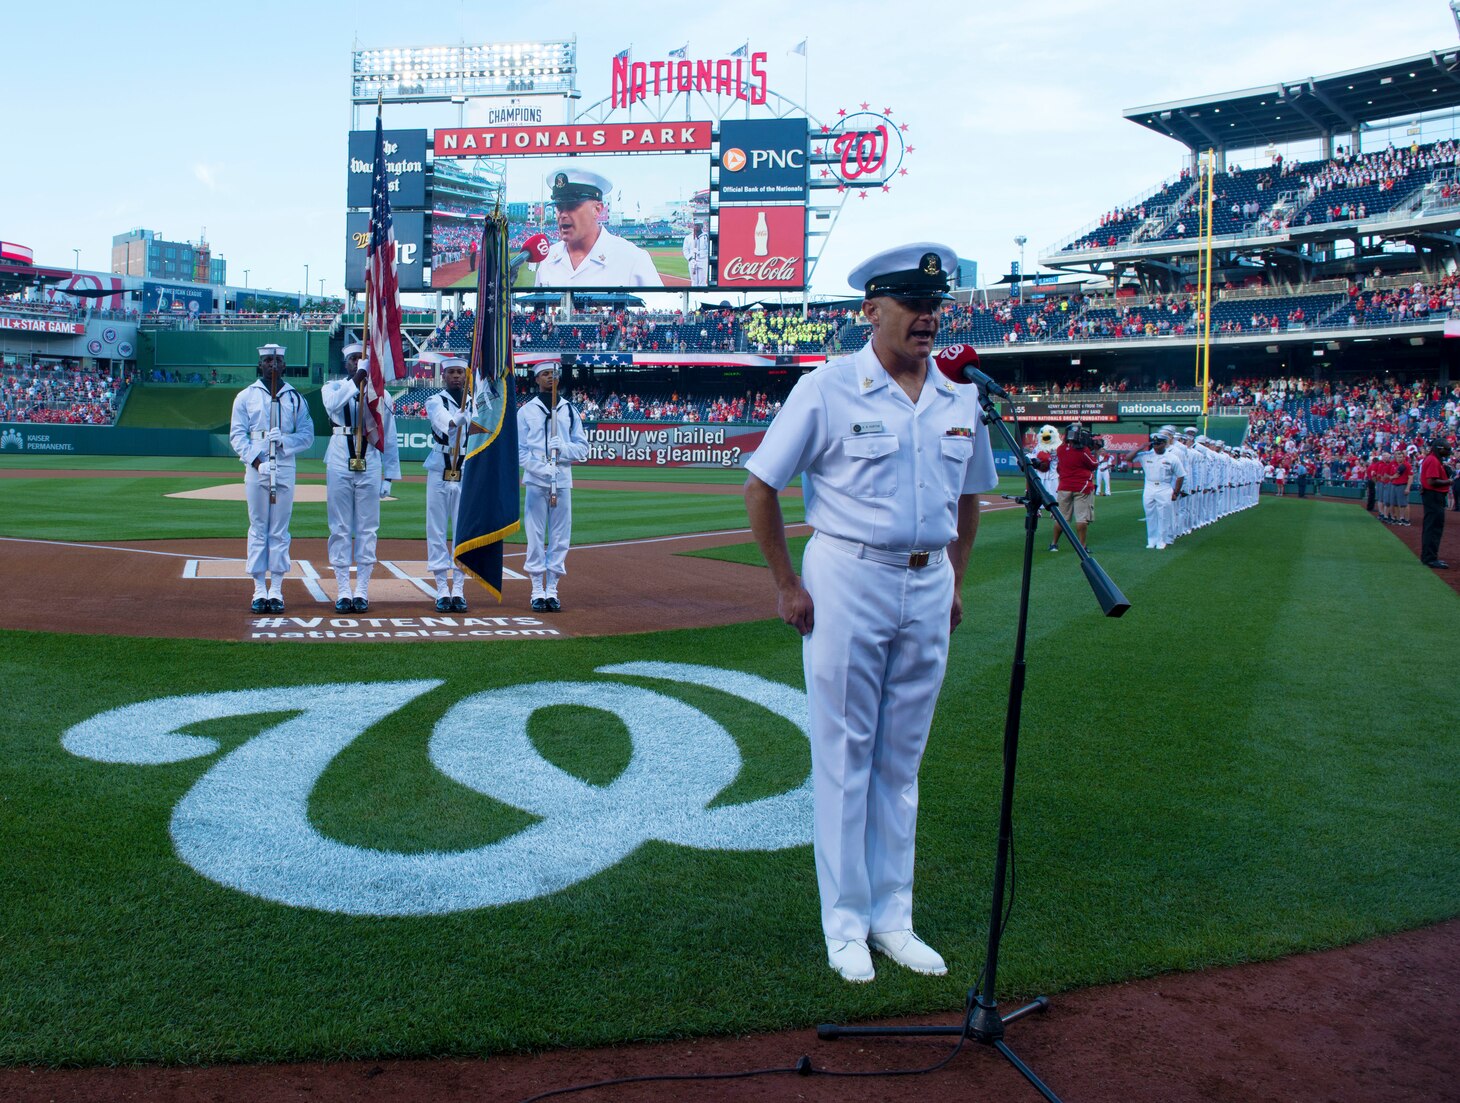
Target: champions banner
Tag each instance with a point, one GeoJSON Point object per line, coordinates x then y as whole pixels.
{"type": "Point", "coordinates": [488, 513]}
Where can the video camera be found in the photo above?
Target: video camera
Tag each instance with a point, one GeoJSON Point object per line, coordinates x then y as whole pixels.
{"type": "Point", "coordinates": [1077, 436]}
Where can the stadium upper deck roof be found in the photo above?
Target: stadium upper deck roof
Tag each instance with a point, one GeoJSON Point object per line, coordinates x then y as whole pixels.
{"type": "Point", "coordinates": [1310, 107]}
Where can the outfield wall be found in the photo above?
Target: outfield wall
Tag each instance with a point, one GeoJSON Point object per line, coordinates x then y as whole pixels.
{"type": "Point", "coordinates": [233, 350]}
{"type": "Point", "coordinates": [610, 443]}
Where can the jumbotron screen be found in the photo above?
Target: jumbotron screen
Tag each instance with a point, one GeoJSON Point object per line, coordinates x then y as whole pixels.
{"type": "Point", "coordinates": [654, 229]}
{"type": "Point", "coordinates": [643, 235]}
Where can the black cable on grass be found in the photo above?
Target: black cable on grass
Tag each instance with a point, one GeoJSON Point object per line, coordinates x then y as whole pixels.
{"type": "Point", "coordinates": [802, 1067]}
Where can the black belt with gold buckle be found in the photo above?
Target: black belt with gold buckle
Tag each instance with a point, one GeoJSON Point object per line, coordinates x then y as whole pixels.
{"type": "Point", "coordinates": [918, 559]}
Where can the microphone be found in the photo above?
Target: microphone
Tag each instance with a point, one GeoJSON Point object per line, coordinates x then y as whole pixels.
{"type": "Point", "coordinates": [960, 364]}
{"type": "Point", "coordinates": [534, 251]}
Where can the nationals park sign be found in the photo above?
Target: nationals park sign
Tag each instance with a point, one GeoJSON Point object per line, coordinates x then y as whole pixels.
{"type": "Point", "coordinates": [528, 141]}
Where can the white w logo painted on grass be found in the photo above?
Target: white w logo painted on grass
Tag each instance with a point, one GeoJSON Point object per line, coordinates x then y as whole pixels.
{"type": "Point", "coordinates": [245, 823]}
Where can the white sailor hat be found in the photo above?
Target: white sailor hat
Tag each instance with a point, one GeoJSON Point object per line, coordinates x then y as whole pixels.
{"type": "Point", "coordinates": [271, 350]}
{"type": "Point", "coordinates": [920, 270]}
{"type": "Point", "coordinates": [571, 184]}
{"type": "Point", "coordinates": [553, 366]}
{"type": "Point", "coordinates": [1189, 431]}
{"type": "Point", "coordinates": [352, 349]}
{"type": "Point", "coordinates": [1169, 428]}
{"type": "Point", "coordinates": [448, 362]}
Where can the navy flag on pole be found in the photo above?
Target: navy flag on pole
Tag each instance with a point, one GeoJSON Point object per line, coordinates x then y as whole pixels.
{"type": "Point", "coordinates": [489, 510]}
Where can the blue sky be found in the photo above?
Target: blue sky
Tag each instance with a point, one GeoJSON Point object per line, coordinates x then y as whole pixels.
{"type": "Point", "coordinates": [234, 117]}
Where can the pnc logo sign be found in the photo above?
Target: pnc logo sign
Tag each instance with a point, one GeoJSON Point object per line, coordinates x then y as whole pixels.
{"type": "Point", "coordinates": [735, 159]}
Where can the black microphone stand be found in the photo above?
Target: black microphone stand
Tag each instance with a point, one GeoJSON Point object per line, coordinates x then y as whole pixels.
{"type": "Point", "coordinates": [983, 1022]}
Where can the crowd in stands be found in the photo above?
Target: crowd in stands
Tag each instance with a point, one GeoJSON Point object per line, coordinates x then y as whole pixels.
{"type": "Point", "coordinates": [1336, 430]}
{"type": "Point", "coordinates": [59, 396]}
{"type": "Point", "coordinates": [1269, 199]}
{"type": "Point", "coordinates": [65, 308]}
{"type": "Point", "coordinates": [786, 333]}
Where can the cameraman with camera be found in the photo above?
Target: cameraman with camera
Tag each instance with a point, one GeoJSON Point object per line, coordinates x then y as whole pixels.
{"type": "Point", "coordinates": [1077, 466]}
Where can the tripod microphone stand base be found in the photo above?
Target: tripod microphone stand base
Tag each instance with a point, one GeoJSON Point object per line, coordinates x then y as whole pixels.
{"type": "Point", "coordinates": [984, 1024]}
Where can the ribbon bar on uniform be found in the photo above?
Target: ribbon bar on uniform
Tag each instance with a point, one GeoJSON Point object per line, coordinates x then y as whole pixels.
{"type": "Point", "coordinates": [893, 557]}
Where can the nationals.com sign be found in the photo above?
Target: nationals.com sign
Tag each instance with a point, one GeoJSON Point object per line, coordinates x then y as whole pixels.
{"type": "Point", "coordinates": [763, 247]}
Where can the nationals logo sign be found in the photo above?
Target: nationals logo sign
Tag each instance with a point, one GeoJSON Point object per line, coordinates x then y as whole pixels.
{"type": "Point", "coordinates": [763, 247]}
{"type": "Point", "coordinates": [862, 149]}
{"type": "Point", "coordinates": [246, 824]}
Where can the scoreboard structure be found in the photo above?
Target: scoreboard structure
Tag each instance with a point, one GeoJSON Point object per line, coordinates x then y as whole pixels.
{"type": "Point", "coordinates": [723, 202]}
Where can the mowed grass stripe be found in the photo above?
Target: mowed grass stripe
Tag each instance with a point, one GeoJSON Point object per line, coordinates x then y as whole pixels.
{"type": "Point", "coordinates": [1203, 781]}
{"type": "Point", "coordinates": [138, 509]}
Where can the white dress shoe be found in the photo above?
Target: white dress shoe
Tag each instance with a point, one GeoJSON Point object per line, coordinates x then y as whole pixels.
{"type": "Point", "coordinates": [850, 958]}
{"type": "Point", "coordinates": [909, 951]}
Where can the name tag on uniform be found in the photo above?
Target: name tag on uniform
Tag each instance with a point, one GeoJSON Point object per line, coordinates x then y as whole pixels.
{"type": "Point", "coordinates": [867, 427]}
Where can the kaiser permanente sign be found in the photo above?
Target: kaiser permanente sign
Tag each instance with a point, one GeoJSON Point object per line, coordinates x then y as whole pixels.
{"type": "Point", "coordinates": [523, 141]}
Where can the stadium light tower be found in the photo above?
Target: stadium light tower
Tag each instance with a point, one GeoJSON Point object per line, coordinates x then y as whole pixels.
{"type": "Point", "coordinates": [1022, 241]}
{"type": "Point", "coordinates": [78, 257]}
{"type": "Point", "coordinates": [450, 74]}
{"type": "Point", "coordinates": [1455, 14]}
{"type": "Point", "coordinates": [306, 281]}
{"type": "Point", "coordinates": [246, 271]}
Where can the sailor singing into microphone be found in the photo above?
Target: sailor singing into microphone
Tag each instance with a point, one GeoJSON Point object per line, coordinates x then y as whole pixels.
{"type": "Point", "coordinates": [892, 457]}
{"type": "Point", "coordinates": [588, 255]}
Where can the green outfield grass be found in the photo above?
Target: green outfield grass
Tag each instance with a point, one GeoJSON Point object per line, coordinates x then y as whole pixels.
{"type": "Point", "coordinates": [139, 509]}
{"type": "Point", "coordinates": [1246, 765]}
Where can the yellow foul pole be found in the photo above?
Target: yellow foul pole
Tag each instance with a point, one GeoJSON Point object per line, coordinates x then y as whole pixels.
{"type": "Point", "coordinates": [1206, 309]}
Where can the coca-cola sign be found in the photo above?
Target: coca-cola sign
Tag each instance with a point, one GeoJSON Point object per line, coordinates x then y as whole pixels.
{"type": "Point", "coordinates": [762, 247]}
{"type": "Point", "coordinates": [774, 270]}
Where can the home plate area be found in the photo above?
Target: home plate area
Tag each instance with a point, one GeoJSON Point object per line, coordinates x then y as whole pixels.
{"type": "Point", "coordinates": [394, 584]}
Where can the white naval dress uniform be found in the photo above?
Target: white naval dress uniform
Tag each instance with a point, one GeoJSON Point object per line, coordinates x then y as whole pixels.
{"type": "Point", "coordinates": [443, 497]}
{"type": "Point", "coordinates": [1102, 474]}
{"type": "Point", "coordinates": [353, 497]}
{"type": "Point", "coordinates": [1161, 474]}
{"type": "Point", "coordinates": [254, 413]}
{"type": "Point", "coordinates": [697, 253]}
{"type": "Point", "coordinates": [549, 530]}
{"type": "Point", "coordinates": [1184, 509]}
{"type": "Point", "coordinates": [612, 262]}
{"type": "Point", "coordinates": [882, 478]}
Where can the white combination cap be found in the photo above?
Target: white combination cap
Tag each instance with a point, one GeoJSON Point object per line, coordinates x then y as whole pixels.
{"type": "Point", "coordinates": [572, 184]}
{"type": "Point", "coordinates": [920, 270]}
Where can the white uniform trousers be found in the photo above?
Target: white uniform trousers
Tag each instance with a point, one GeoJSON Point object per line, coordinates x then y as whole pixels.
{"type": "Point", "coordinates": [353, 504]}
{"type": "Point", "coordinates": [1160, 516]}
{"type": "Point", "coordinates": [268, 525]}
{"type": "Point", "coordinates": [442, 500]}
{"type": "Point", "coordinates": [874, 663]}
{"type": "Point", "coordinates": [548, 530]}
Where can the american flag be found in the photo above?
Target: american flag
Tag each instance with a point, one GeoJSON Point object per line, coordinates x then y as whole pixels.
{"type": "Point", "coordinates": [382, 296]}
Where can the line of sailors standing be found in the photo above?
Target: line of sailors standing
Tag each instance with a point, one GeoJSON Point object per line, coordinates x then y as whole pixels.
{"type": "Point", "coordinates": [1192, 481]}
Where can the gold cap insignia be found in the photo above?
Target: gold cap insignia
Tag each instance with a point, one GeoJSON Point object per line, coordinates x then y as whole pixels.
{"type": "Point", "coordinates": [931, 264]}
{"type": "Point", "coordinates": [560, 180]}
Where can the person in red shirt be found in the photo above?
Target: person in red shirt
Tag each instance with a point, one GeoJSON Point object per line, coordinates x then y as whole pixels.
{"type": "Point", "coordinates": [1400, 482]}
{"type": "Point", "coordinates": [1434, 480]}
{"type": "Point", "coordinates": [1076, 493]}
{"type": "Point", "coordinates": [1383, 474]}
